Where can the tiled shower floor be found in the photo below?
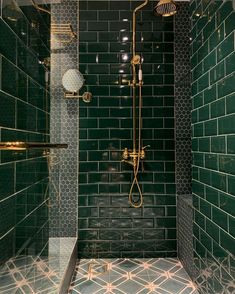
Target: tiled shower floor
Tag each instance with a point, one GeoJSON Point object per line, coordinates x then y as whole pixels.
{"type": "Point", "coordinates": [131, 276]}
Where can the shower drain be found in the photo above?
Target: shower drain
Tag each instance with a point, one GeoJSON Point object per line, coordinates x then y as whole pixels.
{"type": "Point", "coordinates": [96, 268]}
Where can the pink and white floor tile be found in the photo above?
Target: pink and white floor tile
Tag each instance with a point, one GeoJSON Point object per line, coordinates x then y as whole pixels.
{"type": "Point", "coordinates": [131, 276]}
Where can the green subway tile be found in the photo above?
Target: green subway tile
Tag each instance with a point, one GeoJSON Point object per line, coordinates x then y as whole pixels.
{"type": "Point", "coordinates": [229, 23]}
{"type": "Point", "coordinates": [211, 161]}
{"type": "Point", "coordinates": [212, 195]}
{"type": "Point", "coordinates": [203, 82]}
{"type": "Point", "coordinates": [97, 26]}
{"type": "Point", "coordinates": [212, 230]}
{"type": "Point", "coordinates": [227, 203]}
{"type": "Point", "coordinates": [198, 100]}
{"type": "Point", "coordinates": [210, 127]}
{"type": "Point", "coordinates": [231, 185]}
{"type": "Point", "coordinates": [217, 73]}
{"type": "Point", "coordinates": [108, 15]}
{"type": "Point", "coordinates": [98, 134]}
{"type": "Point", "coordinates": [232, 226]}
{"type": "Point", "coordinates": [218, 181]}
{"type": "Point", "coordinates": [87, 58]}
{"type": "Point", "coordinates": [198, 130]}
{"type": "Point", "coordinates": [230, 64]}
{"type": "Point", "coordinates": [14, 81]}
{"type": "Point", "coordinates": [7, 177]}
{"type": "Point", "coordinates": [227, 242]}
{"type": "Point", "coordinates": [218, 144]}
{"type": "Point", "coordinates": [227, 164]}
{"type": "Point", "coordinates": [225, 48]}
{"type": "Point", "coordinates": [108, 123]}
{"type": "Point", "coordinates": [209, 61]}
{"type": "Point", "coordinates": [120, 112]}
{"type": "Point", "coordinates": [223, 12]}
{"type": "Point", "coordinates": [26, 117]}
{"type": "Point", "coordinates": [108, 36]}
{"type": "Point", "coordinates": [7, 111]}
{"type": "Point", "coordinates": [120, 91]}
{"type": "Point", "coordinates": [98, 112]}
{"type": "Point", "coordinates": [88, 123]}
{"type": "Point", "coordinates": [210, 94]}
{"type": "Point", "coordinates": [218, 108]}
{"type": "Point", "coordinates": [226, 86]}
{"type": "Point", "coordinates": [210, 27]}
{"type": "Point", "coordinates": [203, 113]}
{"type": "Point", "coordinates": [88, 15]}
{"type": "Point", "coordinates": [230, 107]}
{"type": "Point", "coordinates": [8, 47]}
{"type": "Point", "coordinates": [119, 134]}
{"type": "Point", "coordinates": [216, 37]}
{"type": "Point", "coordinates": [206, 241]}
{"type": "Point", "coordinates": [198, 159]}
{"type": "Point", "coordinates": [204, 144]}
{"type": "Point", "coordinates": [205, 176]}
{"type": "Point", "coordinates": [98, 47]}
{"type": "Point", "coordinates": [200, 219]}
{"type": "Point", "coordinates": [226, 124]}
{"type": "Point", "coordinates": [88, 36]}
{"type": "Point", "coordinates": [19, 25]}
{"type": "Point", "coordinates": [231, 144]}
{"type": "Point", "coordinates": [108, 58]}
{"type": "Point", "coordinates": [98, 69]}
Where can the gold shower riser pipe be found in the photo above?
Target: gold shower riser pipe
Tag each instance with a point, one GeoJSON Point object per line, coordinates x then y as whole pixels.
{"type": "Point", "coordinates": [134, 69]}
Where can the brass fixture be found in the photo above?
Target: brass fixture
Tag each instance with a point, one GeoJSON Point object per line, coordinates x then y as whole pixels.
{"type": "Point", "coordinates": [133, 157]}
{"type": "Point", "coordinates": [40, 8]}
{"type": "Point", "coordinates": [65, 31]}
{"type": "Point", "coordinates": [18, 145]}
{"type": "Point", "coordinates": [86, 96]}
{"type": "Point", "coordinates": [72, 82]}
{"type": "Point", "coordinates": [165, 8]}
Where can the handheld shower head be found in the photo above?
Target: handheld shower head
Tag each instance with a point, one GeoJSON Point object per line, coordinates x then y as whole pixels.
{"type": "Point", "coordinates": [165, 8]}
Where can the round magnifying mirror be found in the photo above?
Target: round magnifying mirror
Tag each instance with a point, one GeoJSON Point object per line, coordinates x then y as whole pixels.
{"type": "Point", "coordinates": [72, 80]}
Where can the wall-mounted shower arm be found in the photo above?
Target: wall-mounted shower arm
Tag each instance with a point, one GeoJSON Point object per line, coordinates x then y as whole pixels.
{"type": "Point", "coordinates": [134, 26]}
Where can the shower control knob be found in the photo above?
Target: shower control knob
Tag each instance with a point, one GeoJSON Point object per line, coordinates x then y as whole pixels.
{"type": "Point", "coordinates": [125, 154]}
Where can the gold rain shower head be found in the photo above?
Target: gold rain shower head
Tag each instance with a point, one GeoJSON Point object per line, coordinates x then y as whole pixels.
{"type": "Point", "coordinates": [165, 8]}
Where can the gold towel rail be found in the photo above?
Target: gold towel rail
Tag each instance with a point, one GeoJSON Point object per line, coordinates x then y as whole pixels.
{"type": "Point", "coordinates": [17, 145]}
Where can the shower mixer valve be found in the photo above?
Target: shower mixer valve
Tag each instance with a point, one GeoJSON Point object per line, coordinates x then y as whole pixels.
{"type": "Point", "coordinates": [133, 155]}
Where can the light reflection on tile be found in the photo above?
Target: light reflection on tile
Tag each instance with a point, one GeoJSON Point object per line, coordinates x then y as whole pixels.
{"type": "Point", "coordinates": [132, 276]}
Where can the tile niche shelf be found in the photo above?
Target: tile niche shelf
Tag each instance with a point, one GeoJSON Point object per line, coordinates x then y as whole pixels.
{"type": "Point", "coordinates": [17, 145]}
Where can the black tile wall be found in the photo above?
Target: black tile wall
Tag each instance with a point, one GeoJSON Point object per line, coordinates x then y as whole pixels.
{"type": "Point", "coordinates": [108, 226]}
{"type": "Point", "coordinates": [24, 113]}
{"type": "Point", "coordinates": [213, 80]}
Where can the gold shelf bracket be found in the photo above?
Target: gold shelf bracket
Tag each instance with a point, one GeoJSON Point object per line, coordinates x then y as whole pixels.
{"type": "Point", "coordinates": [63, 30]}
{"type": "Point", "coordinates": [86, 96]}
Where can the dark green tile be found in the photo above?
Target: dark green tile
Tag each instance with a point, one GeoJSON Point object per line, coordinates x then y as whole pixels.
{"type": "Point", "coordinates": [231, 144]}
{"type": "Point", "coordinates": [218, 144]}
{"type": "Point", "coordinates": [226, 124]}
{"type": "Point", "coordinates": [8, 47]}
{"type": "Point", "coordinates": [7, 111]}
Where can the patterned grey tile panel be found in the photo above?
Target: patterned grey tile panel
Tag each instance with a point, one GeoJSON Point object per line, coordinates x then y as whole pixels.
{"type": "Point", "coordinates": [183, 166]}
{"type": "Point", "coordinates": [185, 232]}
{"type": "Point", "coordinates": [131, 276]}
{"type": "Point", "coordinates": [64, 124]}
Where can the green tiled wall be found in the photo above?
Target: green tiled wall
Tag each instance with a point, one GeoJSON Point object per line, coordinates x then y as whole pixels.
{"type": "Point", "coordinates": [24, 116]}
{"type": "Point", "coordinates": [108, 226]}
{"type": "Point", "coordinates": [213, 127]}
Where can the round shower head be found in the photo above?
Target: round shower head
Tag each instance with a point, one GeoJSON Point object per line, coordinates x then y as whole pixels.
{"type": "Point", "coordinates": [165, 8]}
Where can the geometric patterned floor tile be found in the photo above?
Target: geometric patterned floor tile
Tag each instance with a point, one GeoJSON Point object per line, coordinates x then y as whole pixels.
{"type": "Point", "coordinates": [131, 276]}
